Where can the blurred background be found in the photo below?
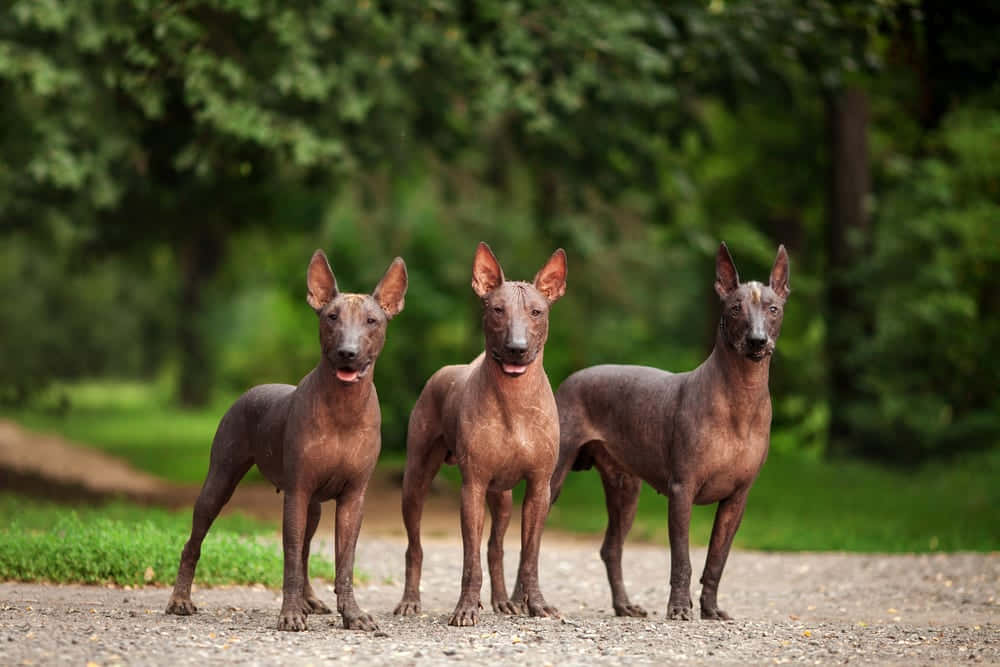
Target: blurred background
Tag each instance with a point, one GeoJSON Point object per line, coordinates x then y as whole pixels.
{"type": "Point", "coordinates": [167, 168]}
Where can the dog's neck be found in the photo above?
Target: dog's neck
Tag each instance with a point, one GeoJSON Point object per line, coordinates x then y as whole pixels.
{"type": "Point", "coordinates": [340, 397]}
{"type": "Point", "coordinates": [743, 377]}
{"type": "Point", "coordinates": [522, 388]}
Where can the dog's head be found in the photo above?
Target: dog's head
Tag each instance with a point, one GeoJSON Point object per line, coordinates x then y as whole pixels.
{"type": "Point", "coordinates": [352, 326]}
{"type": "Point", "coordinates": [515, 313]}
{"type": "Point", "coordinates": [752, 312]}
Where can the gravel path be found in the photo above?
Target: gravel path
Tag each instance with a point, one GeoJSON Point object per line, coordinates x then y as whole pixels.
{"type": "Point", "coordinates": [790, 608]}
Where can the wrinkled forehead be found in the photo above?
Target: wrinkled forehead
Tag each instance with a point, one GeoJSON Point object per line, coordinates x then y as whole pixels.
{"type": "Point", "coordinates": [516, 292]}
{"type": "Point", "coordinates": [348, 304]}
{"type": "Point", "coordinates": [755, 293]}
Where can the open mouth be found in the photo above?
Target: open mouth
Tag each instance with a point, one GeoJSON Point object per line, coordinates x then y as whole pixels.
{"type": "Point", "coordinates": [511, 369]}
{"type": "Point", "coordinates": [350, 375]}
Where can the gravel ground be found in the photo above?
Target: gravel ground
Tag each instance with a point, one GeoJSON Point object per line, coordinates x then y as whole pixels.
{"type": "Point", "coordinates": [822, 607]}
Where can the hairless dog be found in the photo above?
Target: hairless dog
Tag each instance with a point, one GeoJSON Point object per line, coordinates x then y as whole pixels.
{"type": "Point", "coordinates": [697, 437]}
{"type": "Point", "coordinates": [317, 441]}
{"type": "Point", "coordinates": [496, 418]}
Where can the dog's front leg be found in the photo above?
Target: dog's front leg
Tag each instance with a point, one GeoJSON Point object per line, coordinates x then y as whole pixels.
{"type": "Point", "coordinates": [533, 513]}
{"type": "Point", "coordinates": [349, 514]}
{"type": "Point", "coordinates": [467, 609]}
{"type": "Point", "coordinates": [293, 529]}
{"type": "Point", "coordinates": [727, 520]}
{"type": "Point", "coordinates": [678, 524]}
{"type": "Point", "coordinates": [499, 503]}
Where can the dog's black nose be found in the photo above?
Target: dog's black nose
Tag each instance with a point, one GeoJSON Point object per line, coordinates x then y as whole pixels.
{"type": "Point", "coordinates": [517, 347]}
{"type": "Point", "coordinates": [756, 341]}
{"type": "Point", "coordinates": [347, 352]}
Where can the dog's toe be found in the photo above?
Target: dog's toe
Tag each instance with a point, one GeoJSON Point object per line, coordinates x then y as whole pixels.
{"type": "Point", "coordinates": [181, 607]}
{"type": "Point", "coordinates": [293, 621]}
{"type": "Point", "coordinates": [316, 606]}
{"type": "Point", "coordinates": [507, 607]}
{"type": "Point", "coordinates": [715, 615]}
{"type": "Point", "coordinates": [407, 608]}
{"type": "Point", "coordinates": [360, 621]}
{"type": "Point", "coordinates": [679, 613]}
{"type": "Point", "coordinates": [632, 610]}
{"type": "Point", "coordinates": [465, 616]}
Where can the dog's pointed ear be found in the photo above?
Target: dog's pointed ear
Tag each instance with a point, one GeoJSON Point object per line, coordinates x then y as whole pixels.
{"type": "Point", "coordinates": [321, 284]}
{"type": "Point", "coordinates": [391, 290]}
{"type": "Point", "coordinates": [779, 274]}
{"type": "Point", "coordinates": [486, 272]}
{"type": "Point", "coordinates": [551, 278]}
{"type": "Point", "coordinates": [726, 278]}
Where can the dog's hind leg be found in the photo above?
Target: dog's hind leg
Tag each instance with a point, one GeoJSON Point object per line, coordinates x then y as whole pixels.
{"type": "Point", "coordinates": [226, 468]}
{"type": "Point", "coordinates": [311, 602]}
{"type": "Point", "coordinates": [425, 452]}
{"type": "Point", "coordinates": [500, 503]}
{"type": "Point", "coordinates": [621, 495]}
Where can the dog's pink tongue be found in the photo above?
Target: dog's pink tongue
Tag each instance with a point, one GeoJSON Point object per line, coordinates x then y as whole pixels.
{"type": "Point", "coordinates": [514, 369]}
{"type": "Point", "coordinates": [346, 375]}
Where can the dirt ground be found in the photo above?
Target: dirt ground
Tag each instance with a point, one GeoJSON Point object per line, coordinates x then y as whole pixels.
{"type": "Point", "coordinates": [790, 607]}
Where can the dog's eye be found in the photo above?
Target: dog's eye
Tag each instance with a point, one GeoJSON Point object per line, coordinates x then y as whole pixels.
{"type": "Point", "coordinates": [774, 310]}
{"type": "Point", "coordinates": [332, 316]}
{"type": "Point", "coordinates": [536, 312]}
{"type": "Point", "coordinates": [372, 320]}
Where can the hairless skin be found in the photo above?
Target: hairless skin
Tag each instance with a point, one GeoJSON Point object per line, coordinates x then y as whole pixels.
{"type": "Point", "coordinates": [315, 442]}
{"type": "Point", "coordinates": [496, 418]}
{"type": "Point", "coordinates": [696, 437]}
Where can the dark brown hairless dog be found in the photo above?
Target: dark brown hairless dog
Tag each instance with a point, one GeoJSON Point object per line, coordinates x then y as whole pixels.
{"type": "Point", "coordinates": [697, 437]}
{"type": "Point", "coordinates": [496, 418]}
{"type": "Point", "coordinates": [316, 441]}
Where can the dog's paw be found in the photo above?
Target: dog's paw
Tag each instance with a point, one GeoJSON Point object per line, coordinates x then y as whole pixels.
{"type": "Point", "coordinates": [292, 621]}
{"type": "Point", "coordinates": [314, 605]}
{"type": "Point", "coordinates": [407, 608]}
{"type": "Point", "coordinates": [181, 607]}
{"type": "Point", "coordinates": [465, 615]}
{"type": "Point", "coordinates": [679, 612]}
{"type": "Point", "coordinates": [629, 609]}
{"type": "Point", "coordinates": [508, 607]}
{"type": "Point", "coordinates": [539, 608]}
{"type": "Point", "coordinates": [360, 621]}
{"type": "Point", "coordinates": [715, 614]}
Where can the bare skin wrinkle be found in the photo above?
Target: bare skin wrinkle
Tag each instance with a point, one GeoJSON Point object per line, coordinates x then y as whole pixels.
{"type": "Point", "coordinates": [496, 419]}
{"type": "Point", "coordinates": [698, 437]}
{"type": "Point", "coordinates": [317, 441]}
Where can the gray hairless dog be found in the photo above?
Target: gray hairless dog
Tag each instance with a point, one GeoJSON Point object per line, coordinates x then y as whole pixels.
{"type": "Point", "coordinates": [496, 418]}
{"type": "Point", "coordinates": [697, 437]}
{"type": "Point", "coordinates": [317, 441]}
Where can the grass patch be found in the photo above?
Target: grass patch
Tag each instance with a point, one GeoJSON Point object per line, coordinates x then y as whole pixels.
{"type": "Point", "coordinates": [134, 421]}
{"type": "Point", "coordinates": [815, 505]}
{"type": "Point", "coordinates": [123, 544]}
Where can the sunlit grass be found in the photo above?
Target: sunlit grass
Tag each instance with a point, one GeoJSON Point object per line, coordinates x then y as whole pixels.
{"type": "Point", "coordinates": [126, 544]}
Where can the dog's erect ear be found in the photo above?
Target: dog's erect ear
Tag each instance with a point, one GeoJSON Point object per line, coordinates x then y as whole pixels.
{"type": "Point", "coordinates": [486, 272]}
{"type": "Point", "coordinates": [779, 274]}
{"type": "Point", "coordinates": [391, 289]}
{"type": "Point", "coordinates": [551, 278]}
{"type": "Point", "coordinates": [320, 282]}
{"type": "Point", "coordinates": [726, 278]}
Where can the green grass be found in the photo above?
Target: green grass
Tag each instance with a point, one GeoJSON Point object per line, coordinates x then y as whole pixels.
{"type": "Point", "coordinates": [812, 505]}
{"type": "Point", "coordinates": [123, 544]}
{"type": "Point", "coordinates": [134, 421]}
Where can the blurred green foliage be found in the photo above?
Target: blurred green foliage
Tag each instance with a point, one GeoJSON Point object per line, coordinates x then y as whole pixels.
{"type": "Point", "coordinates": [166, 169]}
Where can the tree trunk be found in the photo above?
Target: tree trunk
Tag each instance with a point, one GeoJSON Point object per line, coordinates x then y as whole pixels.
{"type": "Point", "coordinates": [199, 257]}
{"type": "Point", "coordinates": [848, 241]}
